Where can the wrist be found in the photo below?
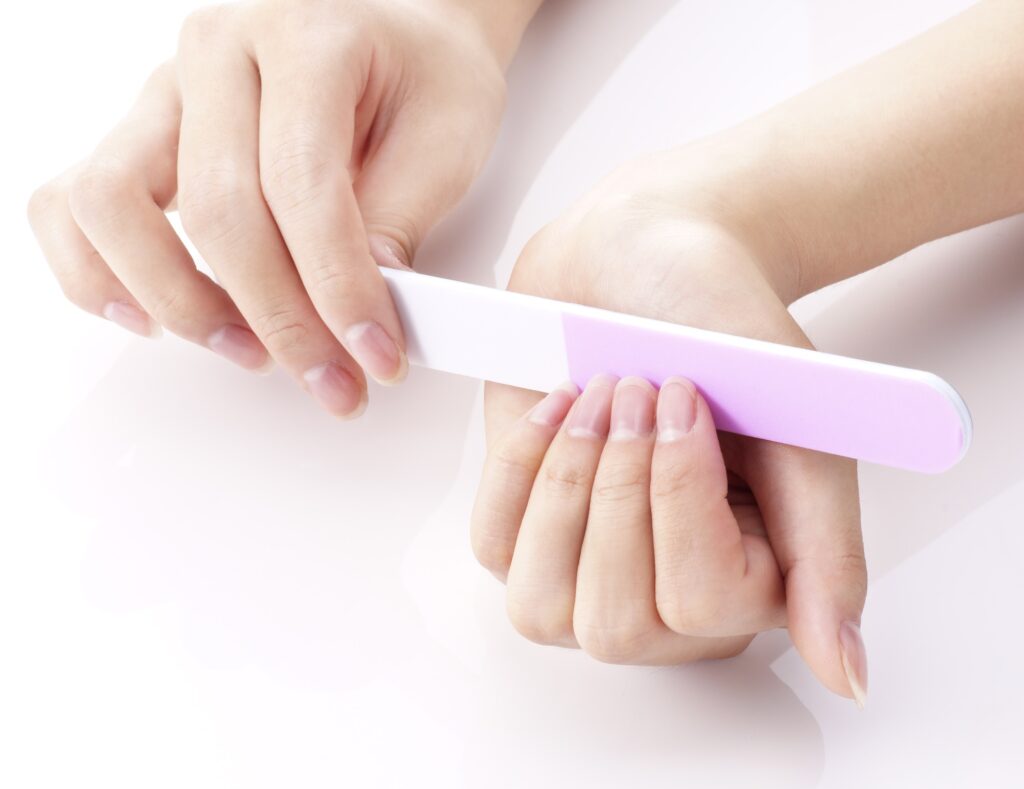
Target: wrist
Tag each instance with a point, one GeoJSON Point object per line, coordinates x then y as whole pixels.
{"type": "Point", "coordinates": [501, 23]}
{"type": "Point", "coordinates": [729, 181]}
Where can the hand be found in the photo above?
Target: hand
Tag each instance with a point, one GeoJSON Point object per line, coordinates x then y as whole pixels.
{"type": "Point", "coordinates": [302, 142]}
{"type": "Point", "coordinates": [645, 551]}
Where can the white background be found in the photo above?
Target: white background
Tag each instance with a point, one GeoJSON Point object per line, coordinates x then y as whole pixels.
{"type": "Point", "coordinates": [206, 582]}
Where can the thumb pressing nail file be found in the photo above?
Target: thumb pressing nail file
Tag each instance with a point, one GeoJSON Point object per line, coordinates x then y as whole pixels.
{"type": "Point", "coordinates": [876, 412]}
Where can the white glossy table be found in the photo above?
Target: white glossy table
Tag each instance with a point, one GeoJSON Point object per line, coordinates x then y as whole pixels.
{"type": "Point", "coordinates": [206, 582]}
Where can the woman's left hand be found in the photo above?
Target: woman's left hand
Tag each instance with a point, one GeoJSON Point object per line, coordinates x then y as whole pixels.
{"type": "Point", "coordinates": [619, 520]}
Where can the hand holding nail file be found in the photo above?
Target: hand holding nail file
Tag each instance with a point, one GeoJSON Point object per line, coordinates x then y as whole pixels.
{"type": "Point", "coordinates": [876, 412]}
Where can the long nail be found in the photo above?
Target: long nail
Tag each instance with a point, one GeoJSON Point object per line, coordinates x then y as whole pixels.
{"type": "Point", "coordinates": [336, 390]}
{"type": "Point", "coordinates": [239, 345]}
{"type": "Point", "coordinates": [632, 410]}
{"type": "Point", "coordinates": [677, 409]}
{"type": "Point", "coordinates": [855, 661]}
{"type": "Point", "coordinates": [591, 412]}
{"type": "Point", "coordinates": [376, 352]}
{"type": "Point", "coordinates": [130, 317]}
{"type": "Point", "coordinates": [552, 409]}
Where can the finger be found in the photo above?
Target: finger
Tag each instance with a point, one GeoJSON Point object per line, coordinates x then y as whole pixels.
{"type": "Point", "coordinates": [616, 619]}
{"type": "Point", "coordinates": [508, 475]}
{"type": "Point", "coordinates": [812, 515]}
{"type": "Point", "coordinates": [117, 199]}
{"type": "Point", "coordinates": [712, 579]}
{"type": "Point", "coordinates": [223, 210]}
{"type": "Point", "coordinates": [306, 141]}
{"type": "Point", "coordinates": [542, 576]}
{"type": "Point", "coordinates": [83, 275]}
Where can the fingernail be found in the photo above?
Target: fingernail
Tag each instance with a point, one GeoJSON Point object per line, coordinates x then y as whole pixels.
{"type": "Point", "coordinates": [336, 390]}
{"type": "Point", "coordinates": [677, 409]}
{"type": "Point", "coordinates": [552, 409]}
{"type": "Point", "coordinates": [632, 409]}
{"type": "Point", "coordinates": [592, 410]}
{"type": "Point", "coordinates": [130, 317]}
{"type": "Point", "coordinates": [386, 252]}
{"type": "Point", "coordinates": [855, 661]}
{"type": "Point", "coordinates": [376, 352]}
{"type": "Point", "coordinates": [239, 345]}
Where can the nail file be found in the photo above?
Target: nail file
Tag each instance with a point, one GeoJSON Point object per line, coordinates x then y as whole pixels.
{"type": "Point", "coordinates": [880, 413]}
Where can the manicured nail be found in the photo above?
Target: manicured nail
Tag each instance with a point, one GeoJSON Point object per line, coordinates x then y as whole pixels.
{"type": "Point", "coordinates": [130, 317]}
{"type": "Point", "coordinates": [239, 345]}
{"type": "Point", "coordinates": [677, 409]}
{"type": "Point", "coordinates": [336, 390]}
{"type": "Point", "coordinates": [855, 661]}
{"type": "Point", "coordinates": [376, 352]}
{"type": "Point", "coordinates": [632, 409]}
{"type": "Point", "coordinates": [552, 409]}
{"type": "Point", "coordinates": [387, 253]}
{"type": "Point", "coordinates": [592, 410]}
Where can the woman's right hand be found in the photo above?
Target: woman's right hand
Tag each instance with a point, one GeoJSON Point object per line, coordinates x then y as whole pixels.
{"type": "Point", "coordinates": [302, 141]}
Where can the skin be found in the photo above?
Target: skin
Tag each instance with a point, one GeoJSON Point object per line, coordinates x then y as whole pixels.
{"type": "Point", "coordinates": [305, 141]}
{"type": "Point", "coordinates": [724, 234]}
{"type": "Point", "coordinates": [301, 142]}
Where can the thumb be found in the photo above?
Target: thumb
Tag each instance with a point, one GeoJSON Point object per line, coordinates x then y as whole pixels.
{"type": "Point", "coordinates": [416, 176]}
{"type": "Point", "coordinates": [811, 510]}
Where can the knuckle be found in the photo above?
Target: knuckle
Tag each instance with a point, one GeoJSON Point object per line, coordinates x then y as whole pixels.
{"type": "Point", "coordinates": [623, 642]}
{"type": "Point", "coordinates": [510, 465]}
{"type": "Point", "coordinates": [329, 276]}
{"type": "Point", "coordinates": [537, 619]}
{"type": "Point", "coordinates": [297, 171]}
{"type": "Point", "coordinates": [687, 608]}
{"type": "Point", "coordinates": [674, 479]}
{"type": "Point", "coordinates": [98, 192]}
{"type": "Point", "coordinates": [620, 482]}
{"type": "Point", "coordinates": [43, 201]}
{"type": "Point", "coordinates": [204, 25]}
{"type": "Point", "coordinates": [492, 551]}
{"type": "Point", "coordinates": [564, 477]}
{"type": "Point", "coordinates": [213, 203]}
{"type": "Point", "coordinates": [282, 330]}
{"type": "Point", "coordinates": [169, 307]}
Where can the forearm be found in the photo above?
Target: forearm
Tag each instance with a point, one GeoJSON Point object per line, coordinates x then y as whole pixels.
{"type": "Point", "coordinates": [920, 142]}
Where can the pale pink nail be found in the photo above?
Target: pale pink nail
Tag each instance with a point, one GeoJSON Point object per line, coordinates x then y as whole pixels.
{"type": "Point", "coordinates": [677, 409]}
{"type": "Point", "coordinates": [591, 412]}
{"type": "Point", "coordinates": [239, 345]}
{"type": "Point", "coordinates": [335, 389]}
{"type": "Point", "coordinates": [552, 409]}
{"type": "Point", "coordinates": [387, 253]}
{"type": "Point", "coordinates": [376, 352]}
{"type": "Point", "coordinates": [632, 409]}
{"type": "Point", "coordinates": [855, 661]}
{"type": "Point", "coordinates": [130, 317]}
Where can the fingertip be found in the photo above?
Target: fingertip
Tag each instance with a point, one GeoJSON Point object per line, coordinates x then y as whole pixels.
{"type": "Point", "coordinates": [677, 410]}
{"type": "Point", "coordinates": [552, 410]}
{"type": "Point", "coordinates": [377, 353]}
{"type": "Point", "coordinates": [388, 253]}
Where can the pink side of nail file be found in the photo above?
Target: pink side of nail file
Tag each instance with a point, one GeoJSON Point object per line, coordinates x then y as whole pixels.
{"type": "Point", "coordinates": [895, 416]}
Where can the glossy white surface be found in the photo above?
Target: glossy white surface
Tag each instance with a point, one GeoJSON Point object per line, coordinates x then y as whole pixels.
{"type": "Point", "coordinates": [206, 582]}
